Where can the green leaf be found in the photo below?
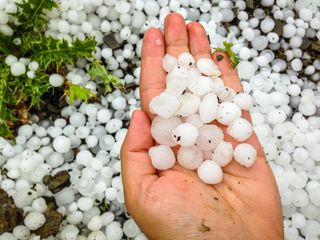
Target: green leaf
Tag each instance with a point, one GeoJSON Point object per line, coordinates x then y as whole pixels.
{"type": "Point", "coordinates": [77, 92]}
{"type": "Point", "coordinates": [49, 50]}
{"type": "Point", "coordinates": [234, 58]}
{"type": "Point", "coordinates": [97, 70]}
{"type": "Point", "coordinates": [5, 44]}
{"type": "Point", "coordinates": [5, 131]}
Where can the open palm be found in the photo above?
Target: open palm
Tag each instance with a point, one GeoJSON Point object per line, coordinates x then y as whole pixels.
{"type": "Point", "coordinates": [175, 204]}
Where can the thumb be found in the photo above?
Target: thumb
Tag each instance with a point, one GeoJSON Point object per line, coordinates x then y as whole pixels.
{"type": "Point", "coordinates": [135, 161]}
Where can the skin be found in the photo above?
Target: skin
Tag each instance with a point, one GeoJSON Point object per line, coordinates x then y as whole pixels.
{"type": "Point", "coordinates": [175, 204]}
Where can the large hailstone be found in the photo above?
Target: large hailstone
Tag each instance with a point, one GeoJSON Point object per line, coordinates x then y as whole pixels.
{"type": "Point", "coordinates": [208, 108]}
{"type": "Point", "coordinates": [228, 112]}
{"type": "Point", "coordinates": [169, 62]}
{"type": "Point", "coordinates": [162, 157]}
{"type": "Point", "coordinates": [240, 129]}
{"type": "Point", "coordinates": [207, 67]}
{"type": "Point", "coordinates": [161, 129]}
{"type": "Point", "coordinates": [195, 120]}
{"type": "Point", "coordinates": [245, 154]}
{"type": "Point", "coordinates": [186, 60]}
{"type": "Point", "coordinates": [226, 94]}
{"type": "Point", "coordinates": [222, 154]}
{"type": "Point", "coordinates": [190, 157]}
{"type": "Point", "coordinates": [185, 134]}
{"type": "Point", "coordinates": [210, 172]}
{"type": "Point", "coordinates": [176, 86]}
{"type": "Point", "coordinates": [200, 85]}
{"type": "Point", "coordinates": [209, 137]}
{"type": "Point", "coordinates": [177, 72]}
{"type": "Point", "coordinates": [164, 105]}
{"type": "Point", "coordinates": [243, 100]}
{"type": "Point", "coordinates": [188, 104]}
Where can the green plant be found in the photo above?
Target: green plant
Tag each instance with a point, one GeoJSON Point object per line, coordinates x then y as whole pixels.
{"type": "Point", "coordinates": [19, 94]}
{"type": "Point", "coordinates": [234, 58]}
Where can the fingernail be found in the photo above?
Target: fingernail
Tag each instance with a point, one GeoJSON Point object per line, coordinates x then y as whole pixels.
{"type": "Point", "coordinates": [219, 57]}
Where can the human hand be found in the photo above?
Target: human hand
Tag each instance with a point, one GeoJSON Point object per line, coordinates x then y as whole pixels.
{"type": "Point", "coordinates": [175, 204]}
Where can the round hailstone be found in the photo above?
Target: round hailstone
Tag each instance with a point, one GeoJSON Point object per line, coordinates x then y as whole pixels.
{"type": "Point", "coordinates": [245, 154]}
{"type": "Point", "coordinates": [177, 72]}
{"type": "Point", "coordinates": [200, 85]}
{"type": "Point", "coordinates": [77, 119]}
{"type": "Point", "coordinates": [208, 108]}
{"type": "Point", "coordinates": [18, 69]}
{"type": "Point", "coordinates": [185, 134]}
{"type": "Point", "coordinates": [61, 144]}
{"type": "Point", "coordinates": [207, 67]}
{"type": "Point", "coordinates": [195, 120]}
{"type": "Point", "coordinates": [21, 232]}
{"type": "Point", "coordinates": [222, 154]}
{"type": "Point", "coordinates": [165, 105]}
{"type": "Point", "coordinates": [161, 129]}
{"type": "Point", "coordinates": [96, 235]}
{"type": "Point", "coordinates": [210, 172]}
{"type": "Point", "coordinates": [226, 93]}
{"type": "Point", "coordinates": [188, 104]}
{"type": "Point", "coordinates": [209, 137]}
{"type": "Point", "coordinates": [240, 129]}
{"type": "Point", "coordinates": [176, 86]}
{"type": "Point", "coordinates": [34, 220]}
{"type": "Point", "coordinates": [228, 112]}
{"type": "Point", "coordinates": [162, 157]}
{"type": "Point", "coordinates": [104, 115]}
{"type": "Point", "coordinates": [243, 100]}
{"type": "Point", "coordinates": [114, 231]}
{"type": "Point", "coordinates": [186, 60]}
{"type": "Point", "coordinates": [69, 232]}
{"type": "Point", "coordinates": [130, 228]}
{"type": "Point", "coordinates": [190, 157]}
{"type": "Point", "coordinates": [169, 62]}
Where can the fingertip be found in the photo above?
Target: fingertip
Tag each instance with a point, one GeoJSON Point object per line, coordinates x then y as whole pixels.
{"type": "Point", "coordinates": [153, 43]}
{"type": "Point", "coordinates": [173, 18]}
{"type": "Point", "coordinates": [198, 41]}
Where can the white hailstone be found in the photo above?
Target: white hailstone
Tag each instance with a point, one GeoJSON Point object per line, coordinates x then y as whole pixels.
{"type": "Point", "coordinates": [195, 120]}
{"type": "Point", "coordinates": [227, 112]}
{"type": "Point", "coordinates": [314, 195]}
{"type": "Point", "coordinates": [185, 134]}
{"type": "Point", "coordinates": [188, 104]}
{"type": "Point", "coordinates": [240, 129]}
{"type": "Point", "coordinates": [61, 144]}
{"type": "Point", "coordinates": [104, 115]}
{"type": "Point", "coordinates": [55, 159]}
{"type": "Point", "coordinates": [245, 154]}
{"type": "Point", "coordinates": [210, 172]}
{"type": "Point", "coordinates": [177, 72]}
{"type": "Point", "coordinates": [259, 43]}
{"type": "Point", "coordinates": [162, 157]}
{"type": "Point", "coordinates": [161, 129]}
{"type": "Point", "coordinates": [95, 223]}
{"type": "Point", "coordinates": [111, 193]}
{"type": "Point", "coordinates": [248, 33]}
{"type": "Point", "coordinates": [200, 85]}
{"type": "Point", "coordinates": [114, 125]}
{"type": "Point", "coordinates": [209, 137]}
{"type": "Point", "coordinates": [21, 232]}
{"type": "Point", "coordinates": [190, 157]}
{"type": "Point", "coordinates": [96, 235]}
{"type": "Point", "coordinates": [208, 108]}
{"type": "Point", "coordinates": [176, 86]}
{"type": "Point", "coordinates": [18, 69]}
{"type": "Point", "coordinates": [151, 8]}
{"type": "Point", "coordinates": [305, 14]}
{"type": "Point", "coordinates": [122, 6]}
{"type": "Point", "coordinates": [34, 220]}
{"type": "Point", "coordinates": [276, 116]}
{"type": "Point", "coordinates": [296, 64]}
{"type": "Point", "coordinates": [226, 94]}
{"type": "Point", "coordinates": [77, 119]}
{"type": "Point", "coordinates": [114, 231]}
{"type": "Point", "coordinates": [39, 205]}
{"type": "Point", "coordinates": [244, 53]}
{"type": "Point", "coordinates": [82, 132]}
{"type": "Point", "coordinates": [207, 67]}
{"type": "Point", "coordinates": [298, 220]}
{"type": "Point", "coordinates": [64, 26]}
{"type": "Point", "coordinates": [289, 30]}
{"type": "Point", "coordinates": [7, 236]}
{"type": "Point", "coordinates": [91, 141]}
{"type": "Point", "coordinates": [69, 232]}
{"type": "Point", "coordinates": [75, 217]}
{"type": "Point", "coordinates": [243, 100]}
{"type": "Point", "coordinates": [165, 105]}
{"type": "Point", "coordinates": [10, 59]}
{"type": "Point", "coordinates": [267, 25]}
{"type": "Point", "coordinates": [56, 80]}
{"type": "Point", "coordinates": [130, 228]}
{"type": "Point", "coordinates": [223, 153]}
{"type": "Point", "coordinates": [186, 60]}
{"type": "Point", "coordinates": [85, 203]}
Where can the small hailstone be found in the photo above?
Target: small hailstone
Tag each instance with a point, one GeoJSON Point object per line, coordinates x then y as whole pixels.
{"type": "Point", "coordinates": [223, 153]}
{"type": "Point", "coordinates": [95, 223]}
{"type": "Point", "coordinates": [240, 129]}
{"type": "Point", "coordinates": [39, 205]}
{"type": "Point", "coordinates": [111, 193]}
{"type": "Point", "coordinates": [226, 93]}
{"type": "Point", "coordinates": [69, 232]}
{"type": "Point", "coordinates": [188, 104]}
{"type": "Point", "coordinates": [113, 125]}
{"type": "Point", "coordinates": [208, 108]}
{"type": "Point", "coordinates": [61, 144]}
{"type": "Point", "coordinates": [130, 228]}
{"type": "Point", "coordinates": [34, 220]}
{"type": "Point", "coordinates": [190, 157]}
{"type": "Point", "coordinates": [195, 120]}
{"type": "Point", "coordinates": [243, 100]}
{"type": "Point", "coordinates": [165, 105]}
{"type": "Point", "coordinates": [245, 154]}
{"type": "Point", "coordinates": [210, 172]}
{"type": "Point", "coordinates": [151, 8]}
{"type": "Point", "coordinates": [104, 115]}
{"type": "Point", "coordinates": [18, 69]}
{"type": "Point", "coordinates": [21, 232]}
{"type": "Point", "coordinates": [162, 157]}
{"type": "Point", "coordinates": [186, 60]}
{"type": "Point", "coordinates": [176, 86]}
{"type": "Point", "coordinates": [161, 129]}
{"type": "Point", "coordinates": [77, 119]}
{"type": "Point", "coordinates": [97, 235]}
{"type": "Point", "coordinates": [209, 137]}
{"type": "Point", "coordinates": [207, 67]}
{"type": "Point", "coordinates": [114, 231]}
{"type": "Point", "coordinates": [85, 203]}
{"type": "Point", "coordinates": [200, 85]}
{"type": "Point", "coordinates": [56, 80]}
{"type": "Point", "coordinates": [228, 112]}
{"type": "Point", "coordinates": [10, 59]}
{"type": "Point", "coordinates": [185, 134]}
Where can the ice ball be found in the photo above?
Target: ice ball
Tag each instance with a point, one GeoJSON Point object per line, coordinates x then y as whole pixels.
{"type": "Point", "coordinates": [190, 157]}
{"type": "Point", "coordinates": [185, 134]}
{"type": "Point", "coordinates": [188, 104]}
{"type": "Point", "coordinates": [210, 172]}
{"type": "Point", "coordinates": [208, 108]}
{"type": "Point", "coordinates": [245, 154]}
{"type": "Point", "coordinates": [200, 85]}
{"type": "Point", "coordinates": [209, 137]}
{"type": "Point", "coordinates": [161, 129]}
{"type": "Point", "coordinates": [162, 157]}
{"type": "Point", "coordinates": [227, 112]}
{"type": "Point", "coordinates": [223, 153]}
{"type": "Point", "coordinates": [164, 105]}
{"type": "Point", "coordinates": [240, 129]}
{"type": "Point", "coordinates": [169, 62]}
{"type": "Point", "coordinates": [207, 67]}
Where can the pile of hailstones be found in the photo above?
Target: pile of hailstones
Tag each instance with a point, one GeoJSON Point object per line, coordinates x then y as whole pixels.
{"type": "Point", "coordinates": [194, 97]}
